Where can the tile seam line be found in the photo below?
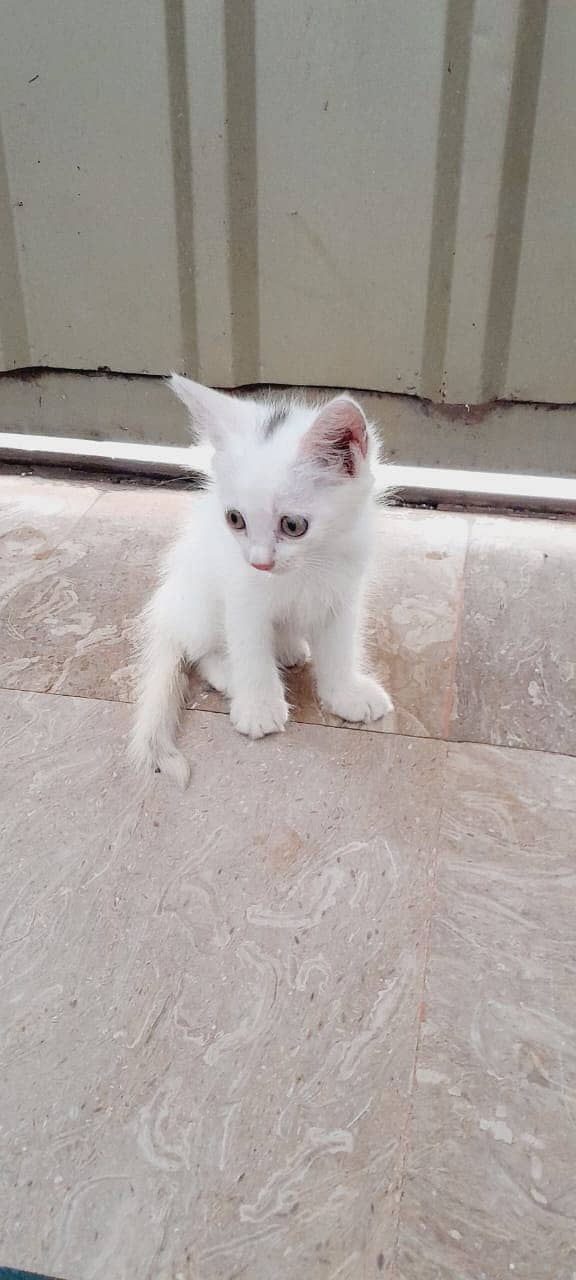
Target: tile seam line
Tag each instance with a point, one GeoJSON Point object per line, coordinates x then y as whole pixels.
{"type": "Point", "coordinates": [311, 724]}
{"type": "Point", "coordinates": [458, 627]}
{"type": "Point", "coordinates": [406, 1138]}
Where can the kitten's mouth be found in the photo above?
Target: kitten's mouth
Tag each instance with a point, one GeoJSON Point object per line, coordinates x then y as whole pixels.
{"type": "Point", "coordinates": [275, 571]}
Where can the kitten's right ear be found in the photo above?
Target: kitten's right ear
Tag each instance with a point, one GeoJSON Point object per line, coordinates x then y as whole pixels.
{"type": "Point", "coordinates": [338, 438]}
{"type": "Point", "coordinates": [213, 413]}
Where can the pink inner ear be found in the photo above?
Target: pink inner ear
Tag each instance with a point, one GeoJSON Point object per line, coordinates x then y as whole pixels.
{"type": "Point", "coordinates": [358, 435]}
{"type": "Point", "coordinates": [338, 430]}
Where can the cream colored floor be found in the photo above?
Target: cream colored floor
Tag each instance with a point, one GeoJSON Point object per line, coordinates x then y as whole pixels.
{"type": "Point", "coordinates": [317, 1016]}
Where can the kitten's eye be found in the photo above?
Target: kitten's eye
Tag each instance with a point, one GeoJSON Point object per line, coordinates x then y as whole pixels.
{"type": "Point", "coordinates": [293, 526]}
{"type": "Point", "coordinates": [236, 520]}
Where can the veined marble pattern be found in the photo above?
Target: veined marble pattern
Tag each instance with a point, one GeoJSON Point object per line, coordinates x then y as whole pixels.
{"type": "Point", "coordinates": [209, 1006]}
{"type": "Point", "coordinates": [516, 669]}
{"type": "Point", "coordinates": [71, 587]}
{"type": "Point", "coordinates": [490, 1189]}
{"type": "Point", "coordinates": [316, 1017]}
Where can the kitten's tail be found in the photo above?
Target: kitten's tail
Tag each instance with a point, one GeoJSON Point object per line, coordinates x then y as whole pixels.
{"type": "Point", "coordinates": [162, 687]}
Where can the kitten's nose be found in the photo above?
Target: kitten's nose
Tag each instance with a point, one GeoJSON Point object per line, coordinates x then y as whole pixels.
{"type": "Point", "coordinates": [261, 556]}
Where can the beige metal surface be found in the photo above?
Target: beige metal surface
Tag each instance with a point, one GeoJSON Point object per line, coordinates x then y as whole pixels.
{"type": "Point", "coordinates": [378, 194]}
{"type": "Point", "coordinates": [86, 132]}
{"type": "Point", "coordinates": [542, 363]}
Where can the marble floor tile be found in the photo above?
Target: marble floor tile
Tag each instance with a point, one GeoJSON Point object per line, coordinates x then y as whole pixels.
{"type": "Point", "coordinates": [67, 614]}
{"type": "Point", "coordinates": [491, 1188]}
{"type": "Point", "coordinates": [66, 628]}
{"type": "Point", "coordinates": [208, 1001]}
{"type": "Point", "coordinates": [35, 516]}
{"type": "Point", "coordinates": [516, 670]}
{"type": "Point", "coordinates": [134, 525]}
{"type": "Point", "coordinates": [414, 613]}
{"type": "Point", "coordinates": [60, 628]}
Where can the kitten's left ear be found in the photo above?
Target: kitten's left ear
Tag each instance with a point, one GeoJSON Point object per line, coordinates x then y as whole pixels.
{"type": "Point", "coordinates": [338, 437]}
{"type": "Point", "coordinates": [213, 413]}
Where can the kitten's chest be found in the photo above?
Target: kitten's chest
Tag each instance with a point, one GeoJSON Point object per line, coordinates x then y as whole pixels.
{"type": "Point", "coordinates": [306, 599]}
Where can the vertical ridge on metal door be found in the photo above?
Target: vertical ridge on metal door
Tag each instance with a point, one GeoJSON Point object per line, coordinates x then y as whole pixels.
{"type": "Point", "coordinates": [515, 173]}
{"type": "Point", "coordinates": [241, 124]}
{"type": "Point", "coordinates": [13, 325]}
{"type": "Point", "coordinates": [449, 158]}
{"type": "Point", "coordinates": [180, 127]}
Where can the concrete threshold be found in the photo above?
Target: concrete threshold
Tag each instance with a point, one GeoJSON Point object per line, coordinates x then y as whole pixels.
{"type": "Point", "coordinates": [398, 485]}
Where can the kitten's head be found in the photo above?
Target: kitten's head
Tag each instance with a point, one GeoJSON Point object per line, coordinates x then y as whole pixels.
{"type": "Point", "coordinates": [292, 479]}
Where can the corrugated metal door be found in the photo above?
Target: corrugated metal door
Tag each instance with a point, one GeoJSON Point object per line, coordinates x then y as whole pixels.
{"type": "Point", "coordinates": [377, 193]}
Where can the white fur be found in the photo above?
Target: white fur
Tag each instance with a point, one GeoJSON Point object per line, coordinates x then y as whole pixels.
{"type": "Point", "coordinates": [241, 625]}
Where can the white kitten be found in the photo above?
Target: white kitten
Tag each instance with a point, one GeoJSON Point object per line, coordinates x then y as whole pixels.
{"type": "Point", "coordinates": [268, 572]}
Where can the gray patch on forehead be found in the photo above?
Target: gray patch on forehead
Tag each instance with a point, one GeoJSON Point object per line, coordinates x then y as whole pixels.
{"type": "Point", "coordinates": [274, 422]}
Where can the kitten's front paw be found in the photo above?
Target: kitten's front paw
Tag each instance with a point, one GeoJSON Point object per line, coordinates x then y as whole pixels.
{"type": "Point", "coordinates": [258, 716]}
{"type": "Point", "coordinates": [363, 700]}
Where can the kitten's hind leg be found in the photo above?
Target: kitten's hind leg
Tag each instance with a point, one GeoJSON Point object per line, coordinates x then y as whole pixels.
{"type": "Point", "coordinates": [161, 694]}
{"type": "Point", "coordinates": [215, 669]}
{"type": "Point", "coordinates": [291, 649]}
